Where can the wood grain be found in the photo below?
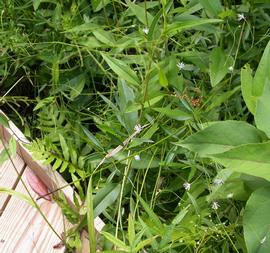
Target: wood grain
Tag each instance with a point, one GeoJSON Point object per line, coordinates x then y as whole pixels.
{"type": "Point", "coordinates": [9, 176]}
{"type": "Point", "coordinates": [23, 229]}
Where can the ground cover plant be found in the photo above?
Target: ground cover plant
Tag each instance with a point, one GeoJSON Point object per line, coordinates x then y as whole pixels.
{"type": "Point", "coordinates": [156, 112]}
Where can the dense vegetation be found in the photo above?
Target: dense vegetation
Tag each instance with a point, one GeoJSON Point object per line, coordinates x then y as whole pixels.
{"type": "Point", "coordinates": [172, 82]}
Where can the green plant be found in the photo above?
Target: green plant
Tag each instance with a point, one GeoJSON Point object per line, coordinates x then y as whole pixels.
{"type": "Point", "coordinates": [82, 74]}
{"type": "Point", "coordinates": [243, 148]}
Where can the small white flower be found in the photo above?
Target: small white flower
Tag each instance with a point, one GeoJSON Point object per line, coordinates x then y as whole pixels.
{"type": "Point", "coordinates": [240, 17]}
{"type": "Point", "coordinates": [230, 195]}
{"type": "Point", "coordinates": [137, 157]}
{"type": "Point", "coordinates": [215, 205]}
{"type": "Point", "coordinates": [187, 186]}
{"type": "Point", "coordinates": [133, 26]}
{"type": "Point", "coordinates": [230, 68]}
{"type": "Point", "coordinates": [180, 65]}
{"type": "Point", "coordinates": [138, 128]}
{"type": "Point", "coordinates": [263, 240]}
{"type": "Point", "coordinates": [218, 181]}
{"type": "Point", "coordinates": [146, 30]}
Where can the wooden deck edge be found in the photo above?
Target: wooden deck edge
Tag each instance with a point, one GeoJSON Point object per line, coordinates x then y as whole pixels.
{"type": "Point", "coordinates": [52, 179]}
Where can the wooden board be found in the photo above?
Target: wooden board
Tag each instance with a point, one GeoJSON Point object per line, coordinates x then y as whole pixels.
{"type": "Point", "coordinates": [23, 229]}
{"type": "Point", "coordinates": [9, 177]}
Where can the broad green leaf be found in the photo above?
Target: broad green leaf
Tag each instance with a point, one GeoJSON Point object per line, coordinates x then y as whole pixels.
{"type": "Point", "coordinates": [262, 118]}
{"type": "Point", "coordinates": [177, 26]}
{"type": "Point", "coordinates": [246, 87]}
{"type": "Point", "coordinates": [232, 186]}
{"type": "Point", "coordinates": [262, 76]}
{"type": "Point", "coordinates": [219, 64]}
{"type": "Point", "coordinates": [212, 8]}
{"type": "Point", "coordinates": [252, 159]}
{"type": "Point", "coordinates": [256, 221]}
{"type": "Point", "coordinates": [122, 69]}
{"type": "Point", "coordinates": [176, 114]}
{"type": "Point", "coordinates": [222, 136]}
{"type": "Point", "coordinates": [256, 91]}
{"type": "Point", "coordinates": [3, 120]}
{"type": "Point", "coordinates": [99, 4]}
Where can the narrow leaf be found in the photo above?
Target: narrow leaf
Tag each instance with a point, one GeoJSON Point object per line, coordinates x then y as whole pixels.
{"type": "Point", "coordinates": [177, 27]}
{"type": "Point", "coordinates": [90, 217]}
{"type": "Point", "coordinates": [131, 230]}
{"type": "Point", "coordinates": [19, 195]}
{"type": "Point", "coordinates": [99, 4]}
{"type": "Point", "coordinates": [116, 241]}
{"type": "Point", "coordinates": [176, 114]}
{"type": "Point", "coordinates": [212, 8]}
{"type": "Point", "coordinates": [64, 147]}
{"type": "Point", "coordinates": [141, 13]}
{"type": "Point", "coordinates": [121, 69]}
{"type": "Point", "coordinates": [105, 197]}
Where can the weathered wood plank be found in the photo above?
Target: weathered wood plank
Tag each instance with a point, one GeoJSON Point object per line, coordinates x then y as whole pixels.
{"type": "Point", "coordinates": [9, 177]}
{"type": "Point", "coordinates": [23, 229]}
{"type": "Point", "coordinates": [52, 179]}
